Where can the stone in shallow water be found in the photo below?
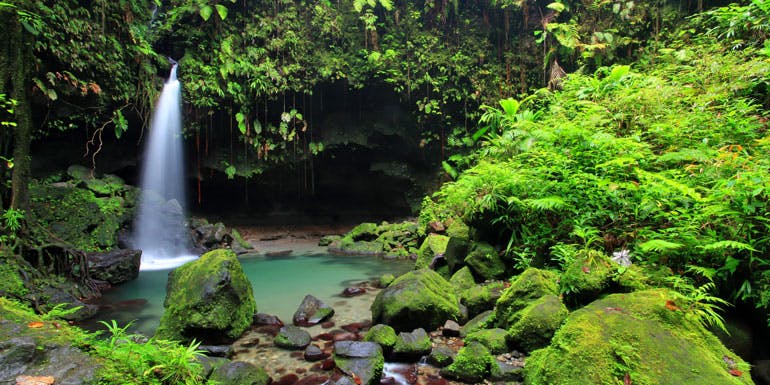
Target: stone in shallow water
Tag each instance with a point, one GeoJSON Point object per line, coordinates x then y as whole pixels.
{"type": "Point", "coordinates": [239, 373]}
{"type": "Point", "coordinates": [363, 360]}
{"type": "Point", "coordinates": [353, 291]}
{"type": "Point", "coordinates": [412, 346]}
{"type": "Point", "coordinates": [312, 311]}
{"type": "Point", "coordinates": [314, 353]}
{"type": "Point", "coordinates": [292, 337]}
{"type": "Point", "coordinates": [450, 329]}
{"type": "Point", "coordinates": [266, 319]}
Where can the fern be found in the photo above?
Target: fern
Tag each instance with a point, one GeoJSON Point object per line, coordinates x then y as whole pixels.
{"type": "Point", "coordinates": [723, 245]}
{"type": "Point", "coordinates": [659, 245]}
{"type": "Point", "coordinates": [546, 203]}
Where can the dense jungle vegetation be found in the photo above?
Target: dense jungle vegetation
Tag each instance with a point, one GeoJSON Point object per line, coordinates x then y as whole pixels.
{"type": "Point", "coordinates": [637, 128]}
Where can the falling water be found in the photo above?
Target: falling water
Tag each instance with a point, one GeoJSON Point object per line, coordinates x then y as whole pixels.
{"type": "Point", "coordinates": [160, 229]}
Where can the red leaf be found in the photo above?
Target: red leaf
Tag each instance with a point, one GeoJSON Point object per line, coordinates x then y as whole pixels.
{"type": "Point", "coordinates": [586, 269]}
{"type": "Point", "coordinates": [627, 379]}
{"type": "Point", "coordinates": [670, 305]}
{"type": "Point", "coordinates": [735, 372]}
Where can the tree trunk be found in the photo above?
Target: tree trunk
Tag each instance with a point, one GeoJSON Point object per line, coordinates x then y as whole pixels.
{"type": "Point", "coordinates": [21, 62]}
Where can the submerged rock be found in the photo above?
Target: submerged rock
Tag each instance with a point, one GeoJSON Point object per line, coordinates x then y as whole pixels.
{"type": "Point", "coordinates": [116, 266]}
{"type": "Point", "coordinates": [312, 311]}
{"type": "Point", "coordinates": [634, 338]}
{"type": "Point", "coordinates": [209, 299]}
{"type": "Point", "coordinates": [420, 298]}
{"type": "Point", "coordinates": [292, 338]}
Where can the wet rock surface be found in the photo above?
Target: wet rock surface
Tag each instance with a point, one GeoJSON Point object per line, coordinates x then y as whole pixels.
{"type": "Point", "coordinates": [312, 311]}
{"type": "Point", "coordinates": [116, 266]}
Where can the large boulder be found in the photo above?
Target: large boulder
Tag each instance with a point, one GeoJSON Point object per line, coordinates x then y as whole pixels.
{"type": "Point", "coordinates": [419, 298]}
{"type": "Point", "coordinates": [481, 298]}
{"type": "Point", "coordinates": [362, 361]}
{"type": "Point", "coordinates": [115, 267]}
{"type": "Point", "coordinates": [312, 311]}
{"type": "Point", "coordinates": [496, 340]}
{"type": "Point", "coordinates": [473, 363]}
{"type": "Point", "coordinates": [209, 299]}
{"type": "Point", "coordinates": [533, 327]}
{"type": "Point", "coordinates": [530, 285]}
{"type": "Point", "coordinates": [485, 262]}
{"type": "Point", "coordinates": [643, 337]}
{"type": "Point", "coordinates": [432, 247]}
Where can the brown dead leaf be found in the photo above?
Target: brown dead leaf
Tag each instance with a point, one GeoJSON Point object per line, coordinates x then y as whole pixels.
{"type": "Point", "coordinates": [35, 324]}
{"type": "Point", "coordinates": [670, 305]}
{"type": "Point", "coordinates": [35, 380]}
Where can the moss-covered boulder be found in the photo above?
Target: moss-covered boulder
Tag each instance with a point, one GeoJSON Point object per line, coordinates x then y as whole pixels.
{"type": "Point", "coordinates": [383, 335]}
{"type": "Point", "coordinates": [361, 360]}
{"type": "Point", "coordinates": [634, 338]}
{"type": "Point", "coordinates": [476, 323]}
{"type": "Point", "coordinates": [239, 373]}
{"type": "Point", "coordinates": [292, 338]}
{"type": "Point", "coordinates": [433, 246]}
{"type": "Point", "coordinates": [481, 298]}
{"type": "Point", "coordinates": [391, 240]}
{"type": "Point", "coordinates": [533, 327]}
{"type": "Point", "coordinates": [588, 276]}
{"type": "Point", "coordinates": [441, 356]}
{"type": "Point", "coordinates": [485, 262]}
{"type": "Point", "coordinates": [462, 279]}
{"type": "Point", "coordinates": [530, 285]}
{"type": "Point", "coordinates": [420, 298]}
{"type": "Point", "coordinates": [209, 299]}
{"type": "Point", "coordinates": [412, 346]}
{"type": "Point", "coordinates": [455, 253]}
{"type": "Point", "coordinates": [496, 340]}
{"type": "Point", "coordinates": [472, 364]}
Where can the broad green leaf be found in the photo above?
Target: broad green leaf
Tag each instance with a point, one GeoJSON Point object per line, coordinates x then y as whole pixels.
{"type": "Point", "coordinates": [221, 10]}
{"type": "Point", "coordinates": [556, 6]}
{"type": "Point", "coordinates": [206, 12]}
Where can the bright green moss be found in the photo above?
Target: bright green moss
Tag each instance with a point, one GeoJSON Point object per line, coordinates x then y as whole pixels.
{"type": "Point", "coordinates": [383, 335]}
{"type": "Point", "coordinates": [480, 298]}
{"type": "Point", "coordinates": [530, 285]}
{"type": "Point", "coordinates": [496, 340]}
{"type": "Point", "coordinates": [472, 364]}
{"type": "Point", "coordinates": [485, 262]}
{"type": "Point", "coordinates": [432, 246]}
{"type": "Point", "coordinates": [533, 327]}
{"type": "Point", "coordinates": [462, 279]}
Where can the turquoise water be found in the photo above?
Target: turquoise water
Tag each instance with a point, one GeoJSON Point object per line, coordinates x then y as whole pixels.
{"type": "Point", "coordinates": [279, 285]}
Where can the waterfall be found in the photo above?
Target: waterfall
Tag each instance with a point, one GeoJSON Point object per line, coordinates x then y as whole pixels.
{"type": "Point", "coordinates": [160, 226]}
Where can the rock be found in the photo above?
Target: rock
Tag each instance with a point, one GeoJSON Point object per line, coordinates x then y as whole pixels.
{"type": "Point", "coordinates": [496, 340]}
{"type": "Point", "coordinates": [478, 322]}
{"type": "Point", "coordinates": [239, 373]}
{"type": "Point", "coordinates": [209, 299]}
{"type": "Point", "coordinates": [455, 252]}
{"type": "Point", "coordinates": [312, 311]}
{"type": "Point", "coordinates": [51, 297]}
{"type": "Point", "coordinates": [450, 329]}
{"type": "Point", "coordinates": [485, 262]}
{"type": "Point", "coordinates": [362, 360]}
{"type": "Point", "coordinates": [457, 229]}
{"type": "Point", "coordinates": [530, 285]}
{"type": "Point", "coordinates": [386, 280]}
{"type": "Point", "coordinates": [313, 379]}
{"type": "Point", "coordinates": [208, 364]}
{"type": "Point", "coordinates": [327, 240]}
{"type": "Point", "coordinates": [292, 338]}
{"type": "Point", "coordinates": [288, 379]}
{"type": "Point", "coordinates": [633, 333]}
{"type": "Point", "coordinates": [432, 246]}
{"type": "Point", "coordinates": [441, 356]}
{"type": "Point", "coordinates": [505, 371]}
{"type": "Point", "coordinates": [80, 173]}
{"type": "Point", "coordinates": [266, 319]}
{"type": "Point", "coordinates": [472, 364]}
{"type": "Point", "coordinates": [533, 326]}
{"type": "Point", "coordinates": [481, 298]}
{"type": "Point", "coordinates": [420, 298]}
{"type": "Point", "coordinates": [217, 350]}
{"type": "Point", "coordinates": [40, 356]}
{"type": "Point", "coordinates": [462, 280]}
{"type": "Point", "coordinates": [384, 335]}
{"type": "Point", "coordinates": [314, 353]}
{"type": "Point", "coordinates": [436, 227]}
{"type": "Point", "coordinates": [353, 291]}
{"type": "Point", "coordinates": [115, 267]}
{"type": "Point", "coordinates": [588, 276]}
{"type": "Point", "coordinates": [412, 346]}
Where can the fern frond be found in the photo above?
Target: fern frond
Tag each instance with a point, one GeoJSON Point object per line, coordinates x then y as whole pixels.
{"type": "Point", "coordinates": [722, 245]}
{"type": "Point", "coordinates": [546, 203]}
{"type": "Point", "coordinates": [659, 245]}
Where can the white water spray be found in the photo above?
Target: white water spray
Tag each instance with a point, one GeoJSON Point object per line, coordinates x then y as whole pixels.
{"type": "Point", "coordinates": [160, 229]}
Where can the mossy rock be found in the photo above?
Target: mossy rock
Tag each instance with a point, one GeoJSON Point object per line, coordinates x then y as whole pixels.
{"type": "Point", "coordinates": [412, 346]}
{"type": "Point", "coordinates": [292, 338]}
{"type": "Point", "coordinates": [455, 253]}
{"type": "Point", "coordinates": [638, 336]}
{"type": "Point", "coordinates": [462, 280]}
{"type": "Point", "coordinates": [209, 299]}
{"type": "Point", "coordinates": [480, 298]}
{"type": "Point", "coordinates": [383, 335]}
{"type": "Point", "coordinates": [239, 373]}
{"type": "Point", "coordinates": [386, 280]}
{"type": "Point", "coordinates": [533, 327]}
{"type": "Point", "coordinates": [441, 356]}
{"type": "Point", "coordinates": [348, 246]}
{"type": "Point", "coordinates": [432, 246]}
{"type": "Point", "coordinates": [363, 360]}
{"type": "Point", "coordinates": [530, 285]}
{"type": "Point", "coordinates": [327, 240]}
{"type": "Point", "coordinates": [631, 278]}
{"type": "Point", "coordinates": [496, 340]}
{"type": "Point", "coordinates": [12, 283]}
{"type": "Point", "coordinates": [478, 322]}
{"type": "Point", "coordinates": [456, 228]}
{"type": "Point", "coordinates": [419, 298]}
{"type": "Point", "coordinates": [366, 231]}
{"type": "Point", "coordinates": [588, 276]}
{"type": "Point", "coordinates": [472, 364]}
{"type": "Point", "coordinates": [485, 262]}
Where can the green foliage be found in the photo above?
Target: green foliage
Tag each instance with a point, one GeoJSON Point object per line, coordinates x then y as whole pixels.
{"type": "Point", "coordinates": [667, 160]}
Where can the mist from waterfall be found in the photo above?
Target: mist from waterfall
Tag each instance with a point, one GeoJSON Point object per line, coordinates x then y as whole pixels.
{"type": "Point", "coordinates": [160, 229]}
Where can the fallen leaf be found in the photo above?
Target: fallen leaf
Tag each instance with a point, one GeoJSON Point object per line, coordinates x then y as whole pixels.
{"type": "Point", "coordinates": [627, 379]}
{"type": "Point", "coordinates": [670, 305]}
{"type": "Point", "coordinates": [35, 324]}
{"type": "Point", "coordinates": [735, 372]}
{"type": "Point", "coordinates": [356, 378]}
{"type": "Point", "coordinates": [56, 325]}
{"type": "Point", "coordinates": [586, 269]}
{"type": "Point", "coordinates": [34, 380]}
